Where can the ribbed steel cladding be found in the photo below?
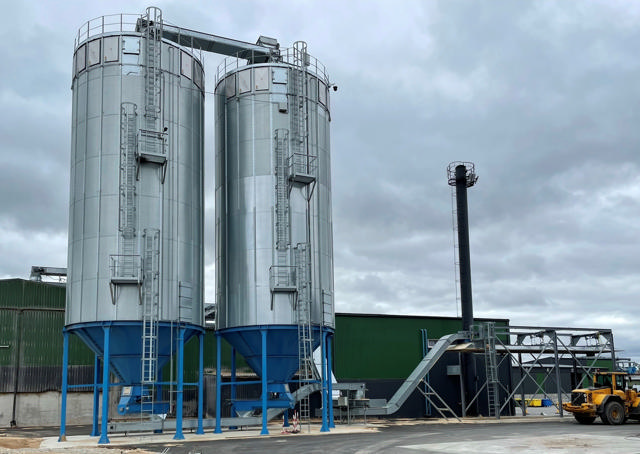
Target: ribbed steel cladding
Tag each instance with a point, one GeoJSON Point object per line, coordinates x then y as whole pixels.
{"type": "Point", "coordinates": [247, 116]}
{"type": "Point", "coordinates": [175, 207]}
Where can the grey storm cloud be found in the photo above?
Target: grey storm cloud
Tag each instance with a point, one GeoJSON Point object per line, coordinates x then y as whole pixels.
{"type": "Point", "coordinates": [541, 95]}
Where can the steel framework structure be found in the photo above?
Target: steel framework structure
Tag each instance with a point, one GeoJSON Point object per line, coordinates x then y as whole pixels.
{"type": "Point", "coordinates": [531, 348]}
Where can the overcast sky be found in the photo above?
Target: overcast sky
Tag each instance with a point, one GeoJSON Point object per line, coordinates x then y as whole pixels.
{"type": "Point", "coordinates": [543, 96]}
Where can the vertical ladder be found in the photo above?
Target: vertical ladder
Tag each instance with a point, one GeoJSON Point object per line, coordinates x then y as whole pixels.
{"type": "Point", "coordinates": [456, 256]}
{"type": "Point", "coordinates": [281, 273]}
{"type": "Point", "coordinates": [150, 310]}
{"type": "Point", "coordinates": [151, 146]}
{"type": "Point", "coordinates": [303, 312]}
{"type": "Point", "coordinates": [127, 213]}
{"type": "Point", "coordinates": [153, 73]}
{"type": "Point", "coordinates": [491, 367]}
{"type": "Point", "coordinates": [299, 94]}
{"type": "Point", "coordinates": [282, 196]}
{"type": "Point", "coordinates": [425, 351]}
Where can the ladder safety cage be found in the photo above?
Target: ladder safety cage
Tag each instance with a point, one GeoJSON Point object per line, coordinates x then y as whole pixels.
{"type": "Point", "coordinates": [282, 275]}
{"type": "Point", "coordinates": [150, 306]}
{"type": "Point", "coordinates": [126, 266]}
{"type": "Point", "coordinates": [152, 138]}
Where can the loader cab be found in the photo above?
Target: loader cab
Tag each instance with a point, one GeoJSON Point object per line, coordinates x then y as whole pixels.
{"type": "Point", "coordinates": [614, 381]}
{"type": "Point", "coordinates": [601, 381]}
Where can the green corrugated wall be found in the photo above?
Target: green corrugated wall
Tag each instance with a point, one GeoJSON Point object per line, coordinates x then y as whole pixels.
{"type": "Point", "coordinates": [384, 346]}
{"type": "Point", "coordinates": [35, 310]}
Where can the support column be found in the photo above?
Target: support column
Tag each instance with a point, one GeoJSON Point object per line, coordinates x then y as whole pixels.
{"type": "Point", "coordinates": [323, 385]}
{"type": "Point", "coordinates": [332, 424]}
{"type": "Point", "coordinates": [200, 430]}
{"type": "Point", "coordinates": [96, 395]}
{"type": "Point", "coordinates": [158, 389]}
{"type": "Point", "coordinates": [522, 396]}
{"type": "Point", "coordinates": [65, 384]}
{"type": "Point", "coordinates": [104, 439]}
{"type": "Point", "coordinates": [179, 399]}
{"type": "Point", "coordinates": [218, 430]}
{"type": "Point", "coordinates": [559, 386]}
{"type": "Point", "coordinates": [233, 381]}
{"type": "Point", "coordinates": [614, 364]}
{"type": "Point", "coordinates": [265, 430]}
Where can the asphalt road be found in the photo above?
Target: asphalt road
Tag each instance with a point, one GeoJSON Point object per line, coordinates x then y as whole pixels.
{"type": "Point", "coordinates": [557, 436]}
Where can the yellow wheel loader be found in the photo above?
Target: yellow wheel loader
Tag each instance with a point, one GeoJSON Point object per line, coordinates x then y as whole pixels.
{"type": "Point", "coordinates": [610, 398]}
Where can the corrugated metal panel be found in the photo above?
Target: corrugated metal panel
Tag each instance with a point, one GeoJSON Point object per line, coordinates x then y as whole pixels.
{"type": "Point", "coordinates": [20, 293]}
{"type": "Point", "coordinates": [7, 337]}
{"type": "Point", "coordinates": [31, 322]}
{"type": "Point", "coordinates": [383, 346]}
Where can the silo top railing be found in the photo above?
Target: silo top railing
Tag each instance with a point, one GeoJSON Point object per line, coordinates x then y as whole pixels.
{"type": "Point", "coordinates": [114, 23]}
{"type": "Point", "coordinates": [314, 66]}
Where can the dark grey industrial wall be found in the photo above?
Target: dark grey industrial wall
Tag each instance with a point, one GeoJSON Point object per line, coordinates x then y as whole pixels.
{"type": "Point", "coordinates": [447, 386]}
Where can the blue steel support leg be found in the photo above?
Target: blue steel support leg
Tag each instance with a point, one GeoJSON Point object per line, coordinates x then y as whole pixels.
{"type": "Point", "coordinates": [233, 381]}
{"type": "Point", "coordinates": [200, 430]}
{"type": "Point", "coordinates": [158, 395]}
{"type": "Point", "coordinates": [264, 431]}
{"type": "Point", "coordinates": [323, 385]}
{"type": "Point", "coordinates": [104, 439]}
{"type": "Point", "coordinates": [65, 384]}
{"type": "Point", "coordinates": [179, 399]}
{"type": "Point", "coordinates": [96, 396]}
{"type": "Point", "coordinates": [218, 430]}
{"type": "Point", "coordinates": [330, 380]}
{"type": "Point", "coordinates": [233, 385]}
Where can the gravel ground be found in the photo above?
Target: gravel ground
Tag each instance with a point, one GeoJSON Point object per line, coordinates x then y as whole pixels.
{"type": "Point", "coordinates": [21, 445]}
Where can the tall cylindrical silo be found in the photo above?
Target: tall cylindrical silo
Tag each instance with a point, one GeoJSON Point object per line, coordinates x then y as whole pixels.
{"type": "Point", "coordinates": [274, 246]}
{"type": "Point", "coordinates": [135, 260]}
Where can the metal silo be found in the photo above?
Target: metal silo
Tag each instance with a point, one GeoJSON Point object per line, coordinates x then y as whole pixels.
{"type": "Point", "coordinates": [274, 248]}
{"type": "Point", "coordinates": [135, 264]}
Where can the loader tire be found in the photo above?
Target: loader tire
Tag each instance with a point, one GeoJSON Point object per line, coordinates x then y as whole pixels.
{"type": "Point", "coordinates": [585, 419]}
{"type": "Point", "coordinates": [614, 413]}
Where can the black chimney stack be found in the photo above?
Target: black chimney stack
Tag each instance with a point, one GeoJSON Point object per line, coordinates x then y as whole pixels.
{"type": "Point", "coordinates": [462, 176]}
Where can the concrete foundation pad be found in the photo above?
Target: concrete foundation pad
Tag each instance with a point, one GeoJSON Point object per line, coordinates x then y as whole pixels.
{"type": "Point", "coordinates": [146, 439]}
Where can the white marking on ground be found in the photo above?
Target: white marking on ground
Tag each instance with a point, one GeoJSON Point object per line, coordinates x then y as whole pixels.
{"type": "Point", "coordinates": [560, 444]}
